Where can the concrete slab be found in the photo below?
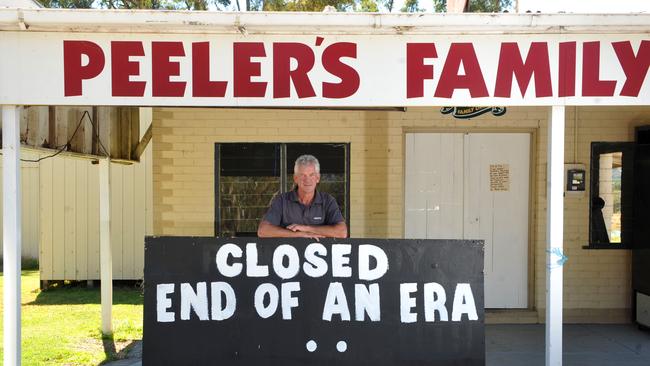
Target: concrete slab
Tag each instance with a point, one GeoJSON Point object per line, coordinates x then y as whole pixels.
{"type": "Point", "coordinates": [523, 345]}
{"type": "Point", "coordinates": [584, 344]}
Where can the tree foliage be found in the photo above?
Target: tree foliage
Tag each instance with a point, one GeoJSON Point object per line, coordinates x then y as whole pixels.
{"type": "Point", "coordinates": [439, 6]}
{"type": "Point", "coordinates": [307, 5]}
{"type": "Point", "coordinates": [411, 6]}
{"type": "Point", "coordinates": [137, 4]}
{"type": "Point", "coordinates": [388, 4]}
{"type": "Point", "coordinates": [67, 4]}
{"type": "Point", "coordinates": [477, 6]}
{"type": "Point", "coordinates": [368, 6]}
{"type": "Point", "coordinates": [489, 6]}
{"type": "Point", "coordinates": [163, 4]}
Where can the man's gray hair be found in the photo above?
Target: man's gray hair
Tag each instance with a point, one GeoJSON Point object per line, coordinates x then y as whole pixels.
{"type": "Point", "coordinates": [306, 160]}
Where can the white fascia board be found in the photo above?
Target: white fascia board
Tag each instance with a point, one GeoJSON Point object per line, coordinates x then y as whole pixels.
{"type": "Point", "coordinates": [208, 22]}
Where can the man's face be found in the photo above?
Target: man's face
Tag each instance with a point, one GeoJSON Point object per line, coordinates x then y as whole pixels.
{"type": "Point", "coordinates": [306, 178]}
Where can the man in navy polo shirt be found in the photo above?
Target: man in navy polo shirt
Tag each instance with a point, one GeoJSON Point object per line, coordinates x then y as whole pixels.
{"type": "Point", "coordinates": [304, 212]}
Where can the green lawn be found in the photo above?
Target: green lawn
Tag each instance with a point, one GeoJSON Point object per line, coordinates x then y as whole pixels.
{"type": "Point", "coordinates": [61, 326]}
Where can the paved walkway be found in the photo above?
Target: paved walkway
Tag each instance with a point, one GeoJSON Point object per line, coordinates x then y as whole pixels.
{"type": "Point", "coordinates": [523, 345]}
{"type": "Point", "coordinates": [584, 344]}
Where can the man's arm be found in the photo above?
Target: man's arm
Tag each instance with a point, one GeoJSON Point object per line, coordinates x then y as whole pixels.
{"type": "Point", "coordinates": [268, 230]}
{"type": "Point", "coordinates": [339, 230]}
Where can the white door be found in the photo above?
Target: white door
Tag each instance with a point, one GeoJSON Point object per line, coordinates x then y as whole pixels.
{"type": "Point", "coordinates": [474, 186]}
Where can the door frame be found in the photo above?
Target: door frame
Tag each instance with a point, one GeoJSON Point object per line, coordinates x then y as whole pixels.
{"type": "Point", "coordinates": [532, 189]}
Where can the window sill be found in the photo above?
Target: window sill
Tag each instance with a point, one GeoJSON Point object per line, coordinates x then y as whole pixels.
{"type": "Point", "coordinates": [606, 246]}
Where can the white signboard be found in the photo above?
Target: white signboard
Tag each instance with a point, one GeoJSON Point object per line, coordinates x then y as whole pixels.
{"type": "Point", "coordinates": [227, 70]}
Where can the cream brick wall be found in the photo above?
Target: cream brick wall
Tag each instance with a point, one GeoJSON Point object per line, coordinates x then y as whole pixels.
{"type": "Point", "coordinates": [184, 176]}
{"type": "Point", "coordinates": [593, 279]}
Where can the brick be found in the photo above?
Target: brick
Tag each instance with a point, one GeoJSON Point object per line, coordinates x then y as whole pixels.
{"type": "Point", "coordinates": [595, 280]}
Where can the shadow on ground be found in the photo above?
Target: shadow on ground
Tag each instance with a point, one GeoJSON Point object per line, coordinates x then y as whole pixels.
{"type": "Point", "coordinates": [132, 350]}
{"type": "Point", "coordinates": [77, 294]}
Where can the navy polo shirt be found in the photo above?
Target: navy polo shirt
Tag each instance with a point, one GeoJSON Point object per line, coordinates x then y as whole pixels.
{"type": "Point", "coordinates": [286, 209]}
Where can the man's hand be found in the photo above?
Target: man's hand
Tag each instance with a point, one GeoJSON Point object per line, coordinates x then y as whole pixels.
{"type": "Point", "coordinates": [297, 227]}
{"type": "Point", "coordinates": [268, 230]}
{"type": "Point", "coordinates": [304, 231]}
{"type": "Point", "coordinates": [308, 234]}
{"type": "Point", "coordinates": [339, 230]}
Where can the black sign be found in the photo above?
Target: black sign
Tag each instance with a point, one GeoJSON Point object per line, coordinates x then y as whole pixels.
{"type": "Point", "coordinates": [286, 302]}
{"type": "Point", "coordinates": [471, 112]}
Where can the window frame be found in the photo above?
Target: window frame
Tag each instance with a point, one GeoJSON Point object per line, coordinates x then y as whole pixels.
{"type": "Point", "coordinates": [627, 191]}
{"type": "Point", "coordinates": [284, 168]}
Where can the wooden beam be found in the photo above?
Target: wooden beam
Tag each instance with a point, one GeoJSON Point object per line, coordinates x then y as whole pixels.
{"type": "Point", "coordinates": [137, 152]}
{"type": "Point", "coordinates": [95, 129]}
{"type": "Point", "coordinates": [51, 126]}
{"type": "Point", "coordinates": [78, 125]}
{"type": "Point", "coordinates": [121, 136]}
{"type": "Point", "coordinates": [134, 127]}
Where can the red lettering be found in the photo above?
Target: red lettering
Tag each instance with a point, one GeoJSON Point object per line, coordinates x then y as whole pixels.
{"type": "Point", "coordinates": [244, 69]}
{"type": "Point", "coordinates": [162, 68]}
{"type": "Point", "coordinates": [510, 63]}
{"type": "Point", "coordinates": [73, 71]}
{"type": "Point", "coordinates": [635, 68]}
{"type": "Point", "coordinates": [331, 60]}
{"type": "Point", "coordinates": [202, 86]}
{"type": "Point", "coordinates": [283, 75]}
{"type": "Point", "coordinates": [416, 70]}
{"type": "Point", "coordinates": [592, 86]}
{"type": "Point", "coordinates": [567, 74]}
{"type": "Point", "coordinates": [122, 68]}
{"type": "Point", "coordinates": [450, 79]}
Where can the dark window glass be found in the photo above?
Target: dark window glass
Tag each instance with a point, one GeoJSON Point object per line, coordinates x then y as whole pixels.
{"type": "Point", "coordinates": [249, 175]}
{"type": "Point", "coordinates": [250, 160]}
{"type": "Point", "coordinates": [248, 178]}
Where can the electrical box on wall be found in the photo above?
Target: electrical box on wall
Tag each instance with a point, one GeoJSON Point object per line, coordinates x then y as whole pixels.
{"type": "Point", "coordinates": [575, 179]}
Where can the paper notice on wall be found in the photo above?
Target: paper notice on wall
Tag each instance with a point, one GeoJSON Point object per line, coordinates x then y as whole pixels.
{"type": "Point", "coordinates": [499, 177]}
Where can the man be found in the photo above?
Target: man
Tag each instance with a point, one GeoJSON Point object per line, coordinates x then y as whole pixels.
{"type": "Point", "coordinates": [304, 212]}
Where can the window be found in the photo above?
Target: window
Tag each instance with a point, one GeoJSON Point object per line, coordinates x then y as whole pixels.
{"type": "Point", "coordinates": [249, 175]}
{"type": "Point", "coordinates": [612, 190]}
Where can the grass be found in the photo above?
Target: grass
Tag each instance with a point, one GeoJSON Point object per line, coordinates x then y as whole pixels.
{"type": "Point", "coordinates": [61, 325]}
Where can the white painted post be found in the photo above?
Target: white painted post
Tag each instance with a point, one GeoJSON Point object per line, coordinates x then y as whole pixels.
{"type": "Point", "coordinates": [11, 232]}
{"type": "Point", "coordinates": [146, 119]}
{"type": "Point", "coordinates": [554, 235]}
{"type": "Point", "coordinates": [105, 254]}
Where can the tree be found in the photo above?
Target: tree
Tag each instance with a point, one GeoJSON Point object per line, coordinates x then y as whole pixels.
{"type": "Point", "coordinates": [137, 4]}
{"type": "Point", "coordinates": [477, 6]}
{"type": "Point", "coordinates": [307, 5]}
{"type": "Point", "coordinates": [388, 4]}
{"type": "Point", "coordinates": [411, 6]}
{"type": "Point", "coordinates": [368, 6]}
{"type": "Point", "coordinates": [163, 4]}
{"type": "Point", "coordinates": [67, 4]}
{"type": "Point", "coordinates": [440, 6]}
{"type": "Point", "coordinates": [489, 6]}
